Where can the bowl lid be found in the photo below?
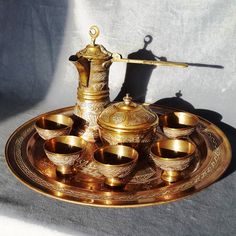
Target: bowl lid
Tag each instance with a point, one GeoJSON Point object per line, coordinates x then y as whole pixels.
{"type": "Point", "coordinates": [127, 116]}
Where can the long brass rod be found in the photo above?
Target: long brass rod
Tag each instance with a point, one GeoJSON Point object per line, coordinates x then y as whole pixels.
{"type": "Point", "coordinates": [149, 62]}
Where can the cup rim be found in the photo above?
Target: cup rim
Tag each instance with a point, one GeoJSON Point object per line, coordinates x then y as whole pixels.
{"type": "Point", "coordinates": [176, 158]}
{"type": "Point", "coordinates": [124, 164]}
{"type": "Point", "coordinates": [165, 125]}
{"type": "Point", "coordinates": [63, 154]}
{"type": "Point", "coordinates": [64, 128]}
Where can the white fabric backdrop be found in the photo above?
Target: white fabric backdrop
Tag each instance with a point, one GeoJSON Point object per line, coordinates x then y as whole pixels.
{"type": "Point", "coordinates": [36, 40]}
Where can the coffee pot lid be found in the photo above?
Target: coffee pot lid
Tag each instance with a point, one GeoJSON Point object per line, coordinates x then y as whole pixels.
{"type": "Point", "coordinates": [93, 50]}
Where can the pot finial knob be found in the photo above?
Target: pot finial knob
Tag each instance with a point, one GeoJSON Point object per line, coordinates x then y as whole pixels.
{"type": "Point", "coordinates": [93, 32]}
{"type": "Point", "coordinates": [127, 99]}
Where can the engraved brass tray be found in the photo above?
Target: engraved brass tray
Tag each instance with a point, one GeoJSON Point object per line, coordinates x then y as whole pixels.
{"type": "Point", "coordinates": [28, 162]}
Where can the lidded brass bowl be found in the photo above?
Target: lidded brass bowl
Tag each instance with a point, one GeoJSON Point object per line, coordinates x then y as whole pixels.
{"type": "Point", "coordinates": [127, 123]}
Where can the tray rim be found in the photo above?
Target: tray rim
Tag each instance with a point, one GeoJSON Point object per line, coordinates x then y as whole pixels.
{"type": "Point", "coordinates": [135, 205]}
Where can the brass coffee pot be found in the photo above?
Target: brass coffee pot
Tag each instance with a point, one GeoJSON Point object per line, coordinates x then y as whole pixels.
{"type": "Point", "coordinates": [93, 64]}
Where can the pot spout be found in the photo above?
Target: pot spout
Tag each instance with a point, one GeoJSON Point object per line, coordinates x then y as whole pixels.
{"type": "Point", "coordinates": [83, 67]}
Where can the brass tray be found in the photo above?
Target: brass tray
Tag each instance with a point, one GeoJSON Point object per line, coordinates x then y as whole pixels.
{"type": "Point", "coordinates": [26, 159]}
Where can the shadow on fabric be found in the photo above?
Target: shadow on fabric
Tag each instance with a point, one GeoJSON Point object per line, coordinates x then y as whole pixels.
{"type": "Point", "coordinates": [30, 41]}
{"type": "Point", "coordinates": [137, 76]}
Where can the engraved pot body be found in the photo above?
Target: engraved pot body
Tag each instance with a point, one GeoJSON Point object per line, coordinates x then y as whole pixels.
{"type": "Point", "coordinates": [92, 64]}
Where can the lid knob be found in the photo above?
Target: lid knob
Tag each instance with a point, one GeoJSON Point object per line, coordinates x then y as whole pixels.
{"type": "Point", "coordinates": [93, 32]}
{"type": "Point", "coordinates": [127, 99]}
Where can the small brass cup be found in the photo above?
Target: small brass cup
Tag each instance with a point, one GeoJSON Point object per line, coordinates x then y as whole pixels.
{"type": "Point", "coordinates": [63, 151]}
{"type": "Point", "coordinates": [172, 156]}
{"type": "Point", "coordinates": [115, 162]}
{"type": "Point", "coordinates": [51, 126]}
{"type": "Point", "coordinates": [178, 124]}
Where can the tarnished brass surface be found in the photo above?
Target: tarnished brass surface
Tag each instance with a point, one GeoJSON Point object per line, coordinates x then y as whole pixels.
{"type": "Point", "coordinates": [50, 126]}
{"type": "Point", "coordinates": [178, 124]}
{"type": "Point", "coordinates": [172, 156]}
{"type": "Point", "coordinates": [63, 151]}
{"type": "Point", "coordinates": [115, 162]}
{"type": "Point", "coordinates": [28, 162]}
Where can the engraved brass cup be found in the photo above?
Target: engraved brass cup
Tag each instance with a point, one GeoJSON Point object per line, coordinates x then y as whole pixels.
{"type": "Point", "coordinates": [115, 162]}
{"type": "Point", "coordinates": [172, 156]}
{"type": "Point", "coordinates": [178, 124]}
{"type": "Point", "coordinates": [63, 151]}
{"type": "Point", "coordinates": [51, 126]}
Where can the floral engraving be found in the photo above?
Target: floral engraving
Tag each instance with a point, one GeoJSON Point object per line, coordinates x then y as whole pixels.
{"type": "Point", "coordinates": [118, 118]}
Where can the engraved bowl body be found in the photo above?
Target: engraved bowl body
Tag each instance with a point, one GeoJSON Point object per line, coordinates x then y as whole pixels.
{"type": "Point", "coordinates": [173, 154]}
{"type": "Point", "coordinates": [178, 124]}
{"type": "Point", "coordinates": [50, 126]}
{"type": "Point", "coordinates": [63, 151]}
{"type": "Point", "coordinates": [115, 162]}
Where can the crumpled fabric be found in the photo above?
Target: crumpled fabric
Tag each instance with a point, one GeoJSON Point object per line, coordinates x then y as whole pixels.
{"type": "Point", "coordinates": [36, 40]}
